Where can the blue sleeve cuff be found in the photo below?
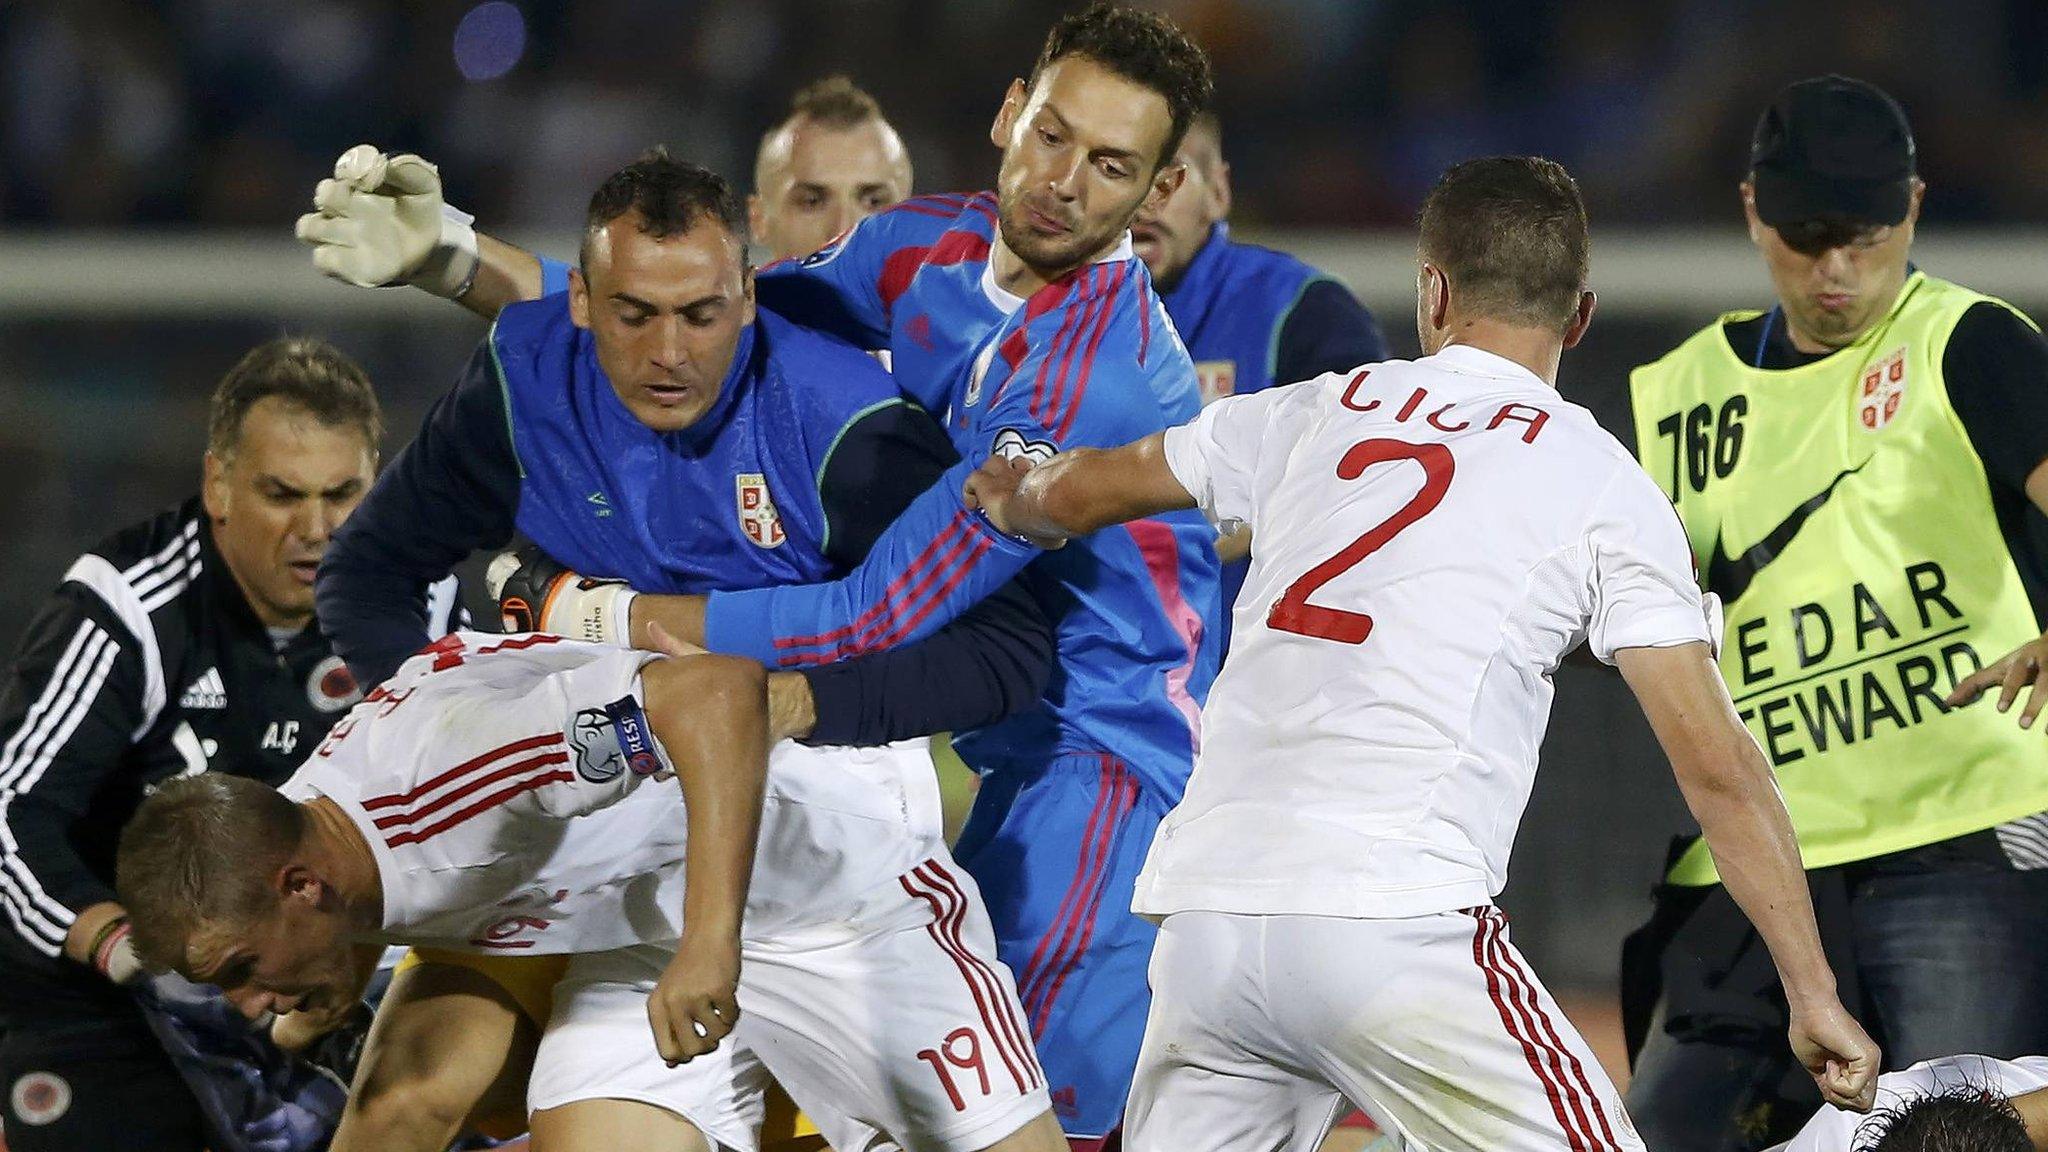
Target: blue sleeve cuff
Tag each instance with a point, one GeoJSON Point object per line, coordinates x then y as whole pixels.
{"type": "Point", "coordinates": [737, 624]}
{"type": "Point", "coordinates": [554, 276]}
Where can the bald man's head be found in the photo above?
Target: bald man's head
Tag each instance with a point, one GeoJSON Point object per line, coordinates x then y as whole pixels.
{"type": "Point", "coordinates": [833, 161]}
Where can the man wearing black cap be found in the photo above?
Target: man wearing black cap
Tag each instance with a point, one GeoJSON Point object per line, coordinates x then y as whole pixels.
{"type": "Point", "coordinates": [1859, 470]}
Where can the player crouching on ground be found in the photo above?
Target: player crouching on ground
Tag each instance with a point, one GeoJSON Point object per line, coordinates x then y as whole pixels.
{"type": "Point", "coordinates": [512, 793]}
{"type": "Point", "coordinates": [1371, 743]}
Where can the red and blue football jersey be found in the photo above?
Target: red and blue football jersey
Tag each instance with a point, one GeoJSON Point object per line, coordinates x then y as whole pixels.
{"type": "Point", "coordinates": [1089, 360]}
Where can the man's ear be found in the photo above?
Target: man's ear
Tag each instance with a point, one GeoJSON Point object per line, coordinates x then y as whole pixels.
{"type": "Point", "coordinates": [579, 299]}
{"type": "Point", "coordinates": [1749, 216]}
{"type": "Point", "coordinates": [747, 295]}
{"type": "Point", "coordinates": [297, 883]}
{"type": "Point", "coordinates": [1165, 183]}
{"type": "Point", "coordinates": [756, 217]}
{"type": "Point", "coordinates": [1912, 219]}
{"type": "Point", "coordinates": [214, 489]}
{"type": "Point", "coordinates": [1582, 321]}
{"type": "Point", "coordinates": [1007, 113]}
{"type": "Point", "coordinates": [1219, 190]}
{"type": "Point", "coordinates": [1438, 289]}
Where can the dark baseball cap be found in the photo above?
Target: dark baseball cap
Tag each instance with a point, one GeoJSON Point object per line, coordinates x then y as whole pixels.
{"type": "Point", "coordinates": [1832, 146]}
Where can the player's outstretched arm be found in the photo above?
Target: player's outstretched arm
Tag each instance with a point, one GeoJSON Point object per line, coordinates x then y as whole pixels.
{"type": "Point", "coordinates": [710, 714]}
{"type": "Point", "coordinates": [1730, 789]}
{"type": "Point", "coordinates": [1077, 491]}
{"type": "Point", "coordinates": [382, 219]}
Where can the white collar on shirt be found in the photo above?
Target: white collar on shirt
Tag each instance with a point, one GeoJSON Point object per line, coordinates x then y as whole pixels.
{"type": "Point", "coordinates": [1469, 361]}
{"type": "Point", "coordinates": [1009, 301]}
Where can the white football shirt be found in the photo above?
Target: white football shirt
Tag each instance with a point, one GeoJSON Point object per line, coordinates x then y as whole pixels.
{"type": "Point", "coordinates": [1429, 538]}
{"type": "Point", "coordinates": [516, 801]}
{"type": "Point", "coordinates": [1834, 1130]}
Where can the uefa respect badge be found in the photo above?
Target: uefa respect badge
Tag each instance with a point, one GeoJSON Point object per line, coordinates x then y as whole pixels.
{"type": "Point", "coordinates": [636, 738]}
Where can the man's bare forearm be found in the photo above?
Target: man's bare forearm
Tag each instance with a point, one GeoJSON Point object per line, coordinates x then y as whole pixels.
{"type": "Point", "coordinates": [505, 274]}
{"type": "Point", "coordinates": [1756, 852]}
{"type": "Point", "coordinates": [87, 929]}
{"type": "Point", "coordinates": [1083, 490]}
{"type": "Point", "coordinates": [711, 715]}
{"type": "Point", "coordinates": [1729, 787]}
{"type": "Point", "coordinates": [680, 616]}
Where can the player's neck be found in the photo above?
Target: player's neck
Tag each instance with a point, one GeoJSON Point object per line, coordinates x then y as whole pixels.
{"type": "Point", "coordinates": [2033, 1110]}
{"type": "Point", "coordinates": [348, 863]}
{"type": "Point", "coordinates": [1536, 349]}
{"type": "Point", "coordinates": [1019, 279]}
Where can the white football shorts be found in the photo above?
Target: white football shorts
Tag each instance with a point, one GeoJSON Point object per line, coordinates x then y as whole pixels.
{"type": "Point", "coordinates": [900, 1030]}
{"type": "Point", "coordinates": [1263, 1027]}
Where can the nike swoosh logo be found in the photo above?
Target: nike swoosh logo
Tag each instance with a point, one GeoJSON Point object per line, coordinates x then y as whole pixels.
{"type": "Point", "coordinates": [1730, 576]}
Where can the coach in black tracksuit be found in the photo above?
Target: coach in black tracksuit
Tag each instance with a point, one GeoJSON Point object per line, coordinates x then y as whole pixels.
{"type": "Point", "coordinates": [182, 644]}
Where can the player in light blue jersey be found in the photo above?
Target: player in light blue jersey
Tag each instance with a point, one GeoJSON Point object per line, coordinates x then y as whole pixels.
{"type": "Point", "coordinates": [1021, 318]}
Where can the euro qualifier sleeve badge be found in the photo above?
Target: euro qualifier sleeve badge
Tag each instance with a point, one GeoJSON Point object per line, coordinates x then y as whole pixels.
{"type": "Point", "coordinates": [614, 738]}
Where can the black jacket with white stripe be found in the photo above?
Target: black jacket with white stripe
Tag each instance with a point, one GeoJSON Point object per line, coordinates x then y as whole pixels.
{"type": "Point", "coordinates": [146, 663]}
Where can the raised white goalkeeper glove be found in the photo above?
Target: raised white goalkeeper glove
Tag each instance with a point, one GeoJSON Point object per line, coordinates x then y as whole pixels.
{"type": "Point", "coordinates": [381, 220]}
{"type": "Point", "coordinates": [535, 594]}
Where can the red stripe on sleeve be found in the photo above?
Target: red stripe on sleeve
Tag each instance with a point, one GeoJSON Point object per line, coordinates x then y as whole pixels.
{"type": "Point", "coordinates": [517, 746]}
{"type": "Point", "coordinates": [911, 572]}
{"type": "Point", "coordinates": [398, 819]}
{"type": "Point", "coordinates": [1072, 405]}
{"type": "Point", "coordinates": [484, 805]}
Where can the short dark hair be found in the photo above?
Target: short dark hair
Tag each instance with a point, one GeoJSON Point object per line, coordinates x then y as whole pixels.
{"type": "Point", "coordinates": [201, 850]}
{"type": "Point", "coordinates": [836, 102]}
{"type": "Point", "coordinates": [1510, 233]}
{"type": "Point", "coordinates": [670, 195]}
{"type": "Point", "coordinates": [305, 371]}
{"type": "Point", "coordinates": [1207, 121]}
{"type": "Point", "coordinates": [1143, 47]}
{"type": "Point", "coordinates": [1960, 1118]}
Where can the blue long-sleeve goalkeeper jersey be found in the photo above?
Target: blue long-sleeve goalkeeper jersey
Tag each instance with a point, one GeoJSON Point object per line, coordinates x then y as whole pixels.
{"type": "Point", "coordinates": [1088, 360]}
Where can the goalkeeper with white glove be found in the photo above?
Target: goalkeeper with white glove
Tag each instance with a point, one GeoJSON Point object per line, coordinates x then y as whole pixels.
{"type": "Point", "coordinates": [381, 220]}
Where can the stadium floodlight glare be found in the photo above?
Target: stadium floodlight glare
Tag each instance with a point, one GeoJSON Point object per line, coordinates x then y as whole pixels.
{"type": "Point", "coordinates": [489, 40]}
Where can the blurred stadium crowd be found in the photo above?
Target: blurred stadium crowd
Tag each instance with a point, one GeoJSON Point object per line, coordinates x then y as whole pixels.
{"type": "Point", "coordinates": [221, 112]}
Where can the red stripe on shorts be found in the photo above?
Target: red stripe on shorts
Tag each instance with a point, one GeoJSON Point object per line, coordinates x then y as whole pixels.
{"type": "Point", "coordinates": [1482, 942]}
{"type": "Point", "coordinates": [1078, 922]}
{"type": "Point", "coordinates": [945, 912]}
{"type": "Point", "coordinates": [1557, 1043]}
{"type": "Point", "coordinates": [1127, 799]}
{"type": "Point", "coordinates": [1028, 978]}
{"type": "Point", "coordinates": [1012, 1021]}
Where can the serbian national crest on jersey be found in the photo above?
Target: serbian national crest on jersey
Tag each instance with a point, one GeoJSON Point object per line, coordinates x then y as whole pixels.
{"type": "Point", "coordinates": [1218, 379]}
{"type": "Point", "coordinates": [762, 524]}
{"type": "Point", "coordinates": [1882, 391]}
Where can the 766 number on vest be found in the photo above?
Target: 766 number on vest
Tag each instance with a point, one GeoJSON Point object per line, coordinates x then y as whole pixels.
{"type": "Point", "coordinates": [1703, 440]}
